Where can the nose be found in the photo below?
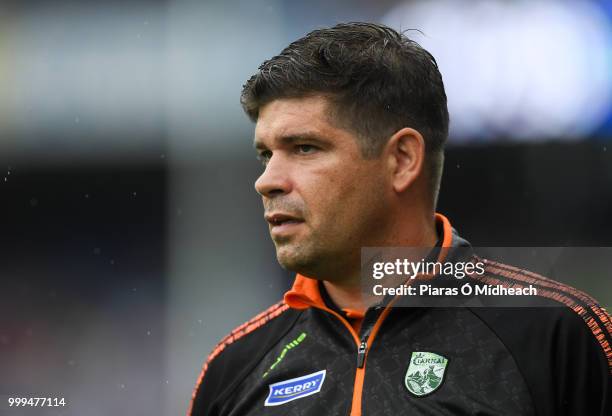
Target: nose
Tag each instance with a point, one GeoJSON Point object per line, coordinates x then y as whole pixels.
{"type": "Point", "coordinates": [274, 181]}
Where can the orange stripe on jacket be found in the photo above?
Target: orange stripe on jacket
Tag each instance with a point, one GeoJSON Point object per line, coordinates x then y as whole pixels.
{"type": "Point", "coordinates": [244, 329]}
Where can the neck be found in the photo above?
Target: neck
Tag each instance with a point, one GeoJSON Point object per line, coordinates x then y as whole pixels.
{"type": "Point", "coordinates": [348, 293]}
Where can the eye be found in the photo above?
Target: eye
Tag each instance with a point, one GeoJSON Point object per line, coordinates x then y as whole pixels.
{"type": "Point", "coordinates": [306, 149]}
{"type": "Point", "coordinates": [264, 156]}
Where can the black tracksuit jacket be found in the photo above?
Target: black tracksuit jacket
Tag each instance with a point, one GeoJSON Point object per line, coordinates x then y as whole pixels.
{"type": "Point", "coordinates": [543, 361]}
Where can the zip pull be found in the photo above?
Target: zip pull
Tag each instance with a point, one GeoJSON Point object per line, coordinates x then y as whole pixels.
{"type": "Point", "coordinates": [361, 352]}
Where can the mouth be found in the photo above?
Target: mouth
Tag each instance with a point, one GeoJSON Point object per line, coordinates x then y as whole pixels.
{"type": "Point", "coordinates": [282, 222]}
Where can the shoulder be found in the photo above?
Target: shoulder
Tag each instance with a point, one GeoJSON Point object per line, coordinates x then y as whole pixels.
{"type": "Point", "coordinates": [242, 334]}
{"type": "Point", "coordinates": [563, 339]}
{"type": "Point", "coordinates": [238, 352]}
{"type": "Point", "coordinates": [559, 306]}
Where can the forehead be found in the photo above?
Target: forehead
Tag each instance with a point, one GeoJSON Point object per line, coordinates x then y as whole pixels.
{"type": "Point", "coordinates": [288, 116]}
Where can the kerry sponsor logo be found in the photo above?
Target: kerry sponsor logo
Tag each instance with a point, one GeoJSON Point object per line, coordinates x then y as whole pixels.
{"type": "Point", "coordinates": [425, 372]}
{"type": "Point", "coordinates": [295, 388]}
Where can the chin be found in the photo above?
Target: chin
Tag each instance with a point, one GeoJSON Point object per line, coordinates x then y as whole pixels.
{"type": "Point", "coordinates": [294, 259]}
{"type": "Point", "coordinates": [289, 262]}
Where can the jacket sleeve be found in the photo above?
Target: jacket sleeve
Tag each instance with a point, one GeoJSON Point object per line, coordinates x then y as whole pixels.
{"type": "Point", "coordinates": [583, 377]}
{"type": "Point", "coordinates": [208, 387]}
{"type": "Point", "coordinates": [236, 356]}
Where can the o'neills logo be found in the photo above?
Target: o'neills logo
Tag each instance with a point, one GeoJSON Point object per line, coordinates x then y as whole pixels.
{"type": "Point", "coordinates": [295, 388]}
{"type": "Point", "coordinates": [425, 372]}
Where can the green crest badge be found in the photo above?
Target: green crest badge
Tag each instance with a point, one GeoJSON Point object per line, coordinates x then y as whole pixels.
{"type": "Point", "coordinates": [425, 372]}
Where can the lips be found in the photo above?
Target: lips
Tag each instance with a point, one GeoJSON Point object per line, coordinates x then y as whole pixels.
{"type": "Point", "coordinates": [280, 219]}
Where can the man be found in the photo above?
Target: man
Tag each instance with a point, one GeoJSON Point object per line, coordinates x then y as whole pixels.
{"type": "Point", "coordinates": [351, 123]}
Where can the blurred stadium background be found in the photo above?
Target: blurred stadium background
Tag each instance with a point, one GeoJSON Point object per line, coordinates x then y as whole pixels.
{"type": "Point", "coordinates": [132, 239]}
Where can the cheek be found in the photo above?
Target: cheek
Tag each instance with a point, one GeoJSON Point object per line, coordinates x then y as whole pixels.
{"type": "Point", "coordinates": [341, 203]}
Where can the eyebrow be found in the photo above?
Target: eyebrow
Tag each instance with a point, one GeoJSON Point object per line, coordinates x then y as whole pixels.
{"type": "Point", "coordinates": [292, 138]}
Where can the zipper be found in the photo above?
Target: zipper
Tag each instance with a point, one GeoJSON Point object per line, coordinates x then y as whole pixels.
{"type": "Point", "coordinates": [369, 329]}
{"type": "Point", "coordinates": [369, 320]}
{"type": "Point", "coordinates": [361, 352]}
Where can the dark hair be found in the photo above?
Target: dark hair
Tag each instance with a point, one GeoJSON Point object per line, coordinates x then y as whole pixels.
{"type": "Point", "coordinates": [377, 80]}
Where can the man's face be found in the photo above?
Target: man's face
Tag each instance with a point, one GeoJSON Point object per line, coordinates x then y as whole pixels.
{"type": "Point", "coordinates": [323, 201]}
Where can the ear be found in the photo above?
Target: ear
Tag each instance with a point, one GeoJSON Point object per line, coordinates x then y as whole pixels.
{"type": "Point", "coordinates": [406, 150]}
